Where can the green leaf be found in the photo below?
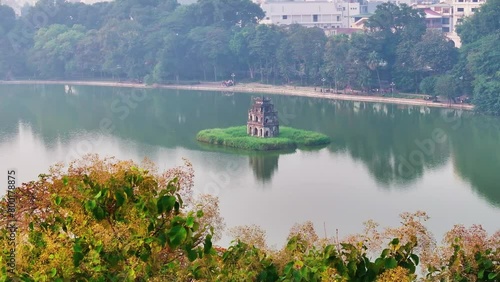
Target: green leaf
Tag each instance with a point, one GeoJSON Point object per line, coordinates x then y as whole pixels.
{"type": "Point", "coordinates": [98, 195]}
{"type": "Point", "coordinates": [65, 180]}
{"type": "Point", "coordinates": [492, 275]}
{"type": "Point", "coordinates": [77, 248]}
{"type": "Point", "coordinates": [385, 252]}
{"type": "Point", "coordinates": [90, 205]}
{"type": "Point", "coordinates": [162, 236]}
{"type": "Point", "coordinates": [192, 255]}
{"type": "Point", "coordinates": [58, 200]}
{"type": "Point", "coordinates": [190, 222]}
{"type": "Point", "coordinates": [391, 263]}
{"type": "Point", "coordinates": [415, 259]}
{"type": "Point", "coordinates": [165, 204]}
{"type": "Point", "coordinates": [120, 198]}
{"type": "Point", "coordinates": [207, 247]}
{"type": "Point", "coordinates": [199, 213]}
{"type": "Point", "coordinates": [177, 235]}
{"type": "Point", "coordinates": [53, 272]}
{"type": "Point", "coordinates": [480, 274]}
{"type": "Point", "coordinates": [77, 258]}
{"type": "Point", "coordinates": [99, 213]}
{"type": "Point", "coordinates": [395, 241]}
{"type": "Point", "coordinates": [352, 267]}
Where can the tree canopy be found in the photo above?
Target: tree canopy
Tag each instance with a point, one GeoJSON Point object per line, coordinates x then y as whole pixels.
{"type": "Point", "coordinates": [164, 42]}
{"type": "Point", "coordinates": [479, 64]}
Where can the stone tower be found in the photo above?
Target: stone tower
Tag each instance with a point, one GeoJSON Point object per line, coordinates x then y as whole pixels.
{"type": "Point", "coordinates": [263, 119]}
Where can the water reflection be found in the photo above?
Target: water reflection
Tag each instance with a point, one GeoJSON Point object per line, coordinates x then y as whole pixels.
{"type": "Point", "coordinates": [264, 166]}
{"type": "Point", "coordinates": [397, 145]}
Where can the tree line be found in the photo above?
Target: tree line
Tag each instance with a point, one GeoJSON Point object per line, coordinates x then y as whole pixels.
{"type": "Point", "coordinates": [160, 41]}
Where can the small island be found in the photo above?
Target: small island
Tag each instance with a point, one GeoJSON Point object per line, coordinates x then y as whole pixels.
{"type": "Point", "coordinates": [262, 132]}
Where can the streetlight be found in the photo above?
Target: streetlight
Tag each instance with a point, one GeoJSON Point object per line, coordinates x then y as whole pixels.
{"type": "Point", "coordinates": [392, 88]}
{"type": "Point", "coordinates": [323, 80]}
{"type": "Point", "coordinates": [233, 75]}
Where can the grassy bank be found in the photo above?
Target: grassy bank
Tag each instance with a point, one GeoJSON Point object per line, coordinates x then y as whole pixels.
{"type": "Point", "coordinates": [236, 137]}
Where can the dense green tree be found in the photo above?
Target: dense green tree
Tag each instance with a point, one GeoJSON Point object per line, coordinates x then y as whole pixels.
{"type": "Point", "coordinates": [484, 22]}
{"type": "Point", "coordinates": [7, 56]}
{"type": "Point", "coordinates": [358, 63]}
{"type": "Point", "coordinates": [122, 49]}
{"type": "Point", "coordinates": [227, 13]}
{"type": "Point", "coordinates": [427, 85]}
{"type": "Point", "coordinates": [173, 60]}
{"type": "Point", "coordinates": [302, 53]}
{"type": "Point", "coordinates": [210, 39]}
{"type": "Point", "coordinates": [446, 87]}
{"type": "Point", "coordinates": [54, 49]}
{"type": "Point", "coordinates": [262, 48]}
{"type": "Point", "coordinates": [396, 28]}
{"type": "Point", "coordinates": [434, 54]}
{"type": "Point", "coordinates": [335, 66]}
{"type": "Point", "coordinates": [210, 45]}
{"type": "Point", "coordinates": [7, 19]}
{"type": "Point", "coordinates": [485, 65]}
{"type": "Point", "coordinates": [479, 63]}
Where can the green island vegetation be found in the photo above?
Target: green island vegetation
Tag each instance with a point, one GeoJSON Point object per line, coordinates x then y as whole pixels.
{"type": "Point", "coordinates": [163, 42]}
{"type": "Point", "coordinates": [110, 220]}
{"type": "Point", "coordinates": [237, 137]}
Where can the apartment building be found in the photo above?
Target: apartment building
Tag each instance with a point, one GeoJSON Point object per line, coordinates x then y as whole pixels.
{"type": "Point", "coordinates": [323, 14]}
{"type": "Point", "coordinates": [462, 9]}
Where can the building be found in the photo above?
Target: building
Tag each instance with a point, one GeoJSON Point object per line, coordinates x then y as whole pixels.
{"type": "Point", "coordinates": [451, 13]}
{"type": "Point", "coordinates": [433, 20]}
{"type": "Point", "coordinates": [263, 119]}
{"type": "Point", "coordinates": [446, 12]}
{"type": "Point", "coordinates": [462, 9]}
{"type": "Point", "coordinates": [322, 14]}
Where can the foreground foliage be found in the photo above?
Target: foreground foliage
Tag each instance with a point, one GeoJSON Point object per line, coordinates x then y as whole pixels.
{"type": "Point", "coordinates": [108, 220]}
{"type": "Point", "coordinates": [237, 137]}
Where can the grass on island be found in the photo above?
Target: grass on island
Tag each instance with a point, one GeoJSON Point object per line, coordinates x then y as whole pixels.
{"type": "Point", "coordinates": [236, 137]}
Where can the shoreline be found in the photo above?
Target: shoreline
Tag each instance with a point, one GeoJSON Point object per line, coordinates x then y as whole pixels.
{"type": "Point", "coordinates": [254, 88]}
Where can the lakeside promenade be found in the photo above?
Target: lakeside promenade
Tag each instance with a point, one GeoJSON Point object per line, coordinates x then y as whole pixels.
{"type": "Point", "coordinates": [258, 88]}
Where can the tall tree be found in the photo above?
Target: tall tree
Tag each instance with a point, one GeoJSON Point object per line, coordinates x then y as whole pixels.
{"type": "Point", "coordinates": [434, 54]}
{"type": "Point", "coordinates": [479, 63]}
{"type": "Point", "coordinates": [305, 51]}
{"type": "Point", "coordinates": [54, 50]}
{"type": "Point", "coordinates": [396, 28]}
{"type": "Point", "coordinates": [211, 46]}
{"type": "Point", "coordinates": [484, 22]}
{"type": "Point", "coordinates": [7, 56]}
{"type": "Point", "coordinates": [483, 60]}
{"type": "Point", "coordinates": [335, 63]}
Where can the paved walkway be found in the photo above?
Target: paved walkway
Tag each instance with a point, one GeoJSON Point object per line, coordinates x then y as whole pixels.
{"type": "Point", "coordinates": [259, 88]}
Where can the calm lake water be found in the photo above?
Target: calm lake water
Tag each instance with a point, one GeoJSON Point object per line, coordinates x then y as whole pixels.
{"type": "Point", "coordinates": [384, 159]}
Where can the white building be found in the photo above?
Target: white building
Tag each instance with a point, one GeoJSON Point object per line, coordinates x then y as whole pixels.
{"type": "Point", "coordinates": [323, 14]}
{"type": "Point", "coordinates": [462, 9]}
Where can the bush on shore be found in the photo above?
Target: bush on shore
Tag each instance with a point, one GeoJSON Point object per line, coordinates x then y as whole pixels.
{"type": "Point", "coordinates": [109, 220]}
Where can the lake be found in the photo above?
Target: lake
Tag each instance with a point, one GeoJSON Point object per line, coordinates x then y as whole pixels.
{"type": "Point", "coordinates": [383, 160]}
